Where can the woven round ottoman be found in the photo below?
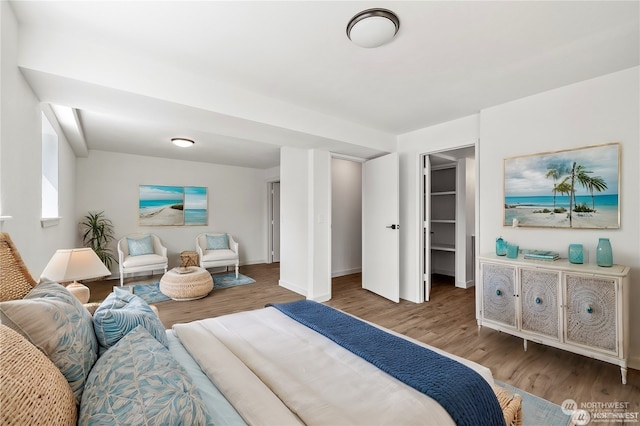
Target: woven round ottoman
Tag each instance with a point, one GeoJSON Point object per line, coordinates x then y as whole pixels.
{"type": "Point", "coordinates": [188, 283]}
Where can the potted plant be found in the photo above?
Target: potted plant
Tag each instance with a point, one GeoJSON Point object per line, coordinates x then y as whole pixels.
{"type": "Point", "coordinates": [97, 233]}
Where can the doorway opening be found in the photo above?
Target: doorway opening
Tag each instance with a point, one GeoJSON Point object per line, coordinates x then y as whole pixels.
{"type": "Point", "coordinates": [346, 217]}
{"type": "Point", "coordinates": [448, 217]}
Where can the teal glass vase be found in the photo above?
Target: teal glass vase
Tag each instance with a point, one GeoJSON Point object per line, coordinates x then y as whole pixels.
{"type": "Point", "coordinates": [604, 254]}
{"type": "Point", "coordinates": [501, 247]}
{"type": "Point", "coordinates": [576, 253]}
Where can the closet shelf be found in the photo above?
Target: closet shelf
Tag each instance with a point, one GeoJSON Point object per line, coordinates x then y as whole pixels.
{"type": "Point", "coordinates": [443, 247]}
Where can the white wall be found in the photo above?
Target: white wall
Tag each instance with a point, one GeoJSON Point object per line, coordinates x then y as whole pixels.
{"type": "Point", "coordinates": [411, 146]}
{"type": "Point", "coordinates": [237, 199]}
{"type": "Point", "coordinates": [604, 109]}
{"type": "Point", "coordinates": [346, 217]}
{"type": "Point", "coordinates": [294, 219]}
{"type": "Point", "coordinates": [596, 111]}
{"type": "Point", "coordinates": [470, 218]}
{"type": "Point", "coordinates": [465, 222]}
{"type": "Point", "coordinates": [319, 260]}
{"type": "Point", "coordinates": [305, 222]}
{"type": "Point", "coordinates": [21, 162]}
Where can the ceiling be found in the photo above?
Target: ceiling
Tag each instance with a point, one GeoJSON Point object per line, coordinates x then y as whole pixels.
{"type": "Point", "coordinates": [244, 78]}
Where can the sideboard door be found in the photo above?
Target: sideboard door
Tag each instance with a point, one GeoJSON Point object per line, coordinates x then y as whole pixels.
{"type": "Point", "coordinates": [539, 291]}
{"type": "Point", "coordinates": [592, 312]}
{"type": "Point", "coordinates": [499, 294]}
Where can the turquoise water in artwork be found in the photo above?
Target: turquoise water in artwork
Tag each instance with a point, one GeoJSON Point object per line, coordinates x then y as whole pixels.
{"type": "Point", "coordinates": [147, 206]}
{"type": "Point", "coordinates": [602, 202]}
{"type": "Point", "coordinates": [195, 216]}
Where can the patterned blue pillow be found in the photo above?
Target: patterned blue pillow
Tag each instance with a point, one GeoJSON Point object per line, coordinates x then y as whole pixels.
{"type": "Point", "coordinates": [120, 313]}
{"type": "Point", "coordinates": [139, 382]}
{"type": "Point", "coordinates": [217, 242]}
{"type": "Point", "coordinates": [56, 323]}
{"type": "Point", "coordinates": [140, 246]}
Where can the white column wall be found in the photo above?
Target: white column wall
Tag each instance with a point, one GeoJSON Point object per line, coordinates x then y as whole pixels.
{"type": "Point", "coordinates": [305, 222]}
{"type": "Point", "coordinates": [319, 285]}
{"type": "Point", "coordinates": [294, 219]}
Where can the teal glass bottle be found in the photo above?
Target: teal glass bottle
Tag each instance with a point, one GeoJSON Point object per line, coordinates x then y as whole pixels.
{"type": "Point", "coordinates": [501, 247]}
{"type": "Point", "coordinates": [576, 254]}
{"type": "Point", "coordinates": [604, 254]}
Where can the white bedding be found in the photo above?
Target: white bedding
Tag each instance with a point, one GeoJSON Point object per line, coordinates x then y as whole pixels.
{"type": "Point", "coordinates": [274, 370]}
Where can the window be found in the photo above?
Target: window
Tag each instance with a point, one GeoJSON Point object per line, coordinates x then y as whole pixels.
{"type": "Point", "coordinates": [49, 170]}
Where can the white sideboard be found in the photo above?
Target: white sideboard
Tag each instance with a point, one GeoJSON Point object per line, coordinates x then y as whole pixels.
{"type": "Point", "coordinates": [578, 308]}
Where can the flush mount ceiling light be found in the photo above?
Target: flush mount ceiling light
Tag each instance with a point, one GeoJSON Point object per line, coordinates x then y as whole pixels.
{"type": "Point", "coordinates": [373, 27]}
{"type": "Point", "coordinates": [182, 142]}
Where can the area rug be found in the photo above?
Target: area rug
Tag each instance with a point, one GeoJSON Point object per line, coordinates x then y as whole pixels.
{"type": "Point", "coordinates": [537, 411]}
{"type": "Point", "coordinates": [150, 293]}
{"type": "Point", "coordinates": [229, 280]}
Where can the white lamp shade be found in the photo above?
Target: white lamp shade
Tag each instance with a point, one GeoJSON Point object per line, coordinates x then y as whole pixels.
{"type": "Point", "coordinates": [373, 27]}
{"type": "Point", "coordinates": [74, 264]}
{"type": "Point", "coordinates": [182, 142]}
{"type": "Point", "coordinates": [373, 31]}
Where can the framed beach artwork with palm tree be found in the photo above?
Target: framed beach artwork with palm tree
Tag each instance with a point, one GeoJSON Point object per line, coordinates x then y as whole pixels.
{"type": "Point", "coordinates": [576, 188]}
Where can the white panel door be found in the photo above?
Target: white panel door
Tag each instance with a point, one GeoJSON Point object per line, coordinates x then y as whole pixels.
{"type": "Point", "coordinates": [380, 223]}
{"type": "Point", "coordinates": [275, 216]}
{"type": "Point", "coordinates": [426, 228]}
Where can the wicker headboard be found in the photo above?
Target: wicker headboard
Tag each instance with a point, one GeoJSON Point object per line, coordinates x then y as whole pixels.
{"type": "Point", "coordinates": [15, 279]}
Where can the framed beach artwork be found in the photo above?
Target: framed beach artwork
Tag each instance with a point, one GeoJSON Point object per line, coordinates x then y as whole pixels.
{"type": "Point", "coordinates": [162, 205]}
{"type": "Point", "coordinates": [576, 188]}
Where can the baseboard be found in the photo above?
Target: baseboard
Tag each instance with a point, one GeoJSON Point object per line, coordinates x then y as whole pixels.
{"type": "Point", "coordinates": [293, 287]}
{"type": "Point", "coordinates": [322, 298]}
{"type": "Point", "coordinates": [253, 262]}
{"type": "Point", "coordinates": [467, 284]}
{"type": "Point", "coordinates": [443, 272]}
{"type": "Point", "coordinates": [345, 272]}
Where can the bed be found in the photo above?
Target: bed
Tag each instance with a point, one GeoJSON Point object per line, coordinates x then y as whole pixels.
{"type": "Point", "coordinates": [286, 364]}
{"type": "Point", "coordinates": [279, 365]}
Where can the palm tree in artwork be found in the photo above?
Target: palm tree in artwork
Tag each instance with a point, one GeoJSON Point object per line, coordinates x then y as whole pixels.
{"type": "Point", "coordinates": [565, 188]}
{"type": "Point", "coordinates": [555, 175]}
{"type": "Point", "coordinates": [595, 183]}
{"type": "Point", "coordinates": [579, 174]}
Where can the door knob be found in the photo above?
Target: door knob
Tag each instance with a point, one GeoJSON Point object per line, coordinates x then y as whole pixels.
{"type": "Point", "coordinates": [393, 226]}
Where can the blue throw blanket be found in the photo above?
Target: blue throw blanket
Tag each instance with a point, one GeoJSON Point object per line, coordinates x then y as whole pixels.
{"type": "Point", "coordinates": [461, 391]}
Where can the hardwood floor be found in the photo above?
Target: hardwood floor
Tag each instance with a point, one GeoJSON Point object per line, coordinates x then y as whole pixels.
{"type": "Point", "coordinates": [447, 321]}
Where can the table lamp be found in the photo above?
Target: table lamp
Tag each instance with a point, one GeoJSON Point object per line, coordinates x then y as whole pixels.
{"type": "Point", "coordinates": [72, 265]}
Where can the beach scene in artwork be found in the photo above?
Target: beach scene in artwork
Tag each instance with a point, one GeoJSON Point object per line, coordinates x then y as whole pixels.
{"type": "Point", "coordinates": [195, 205]}
{"type": "Point", "coordinates": [161, 205]}
{"type": "Point", "coordinates": [566, 189]}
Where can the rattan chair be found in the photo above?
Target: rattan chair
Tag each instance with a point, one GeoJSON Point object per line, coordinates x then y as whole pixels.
{"type": "Point", "coordinates": [15, 279]}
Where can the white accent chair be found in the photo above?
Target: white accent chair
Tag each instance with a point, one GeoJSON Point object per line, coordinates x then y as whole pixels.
{"type": "Point", "coordinates": [143, 262]}
{"type": "Point", "coordinates": [218, 257]}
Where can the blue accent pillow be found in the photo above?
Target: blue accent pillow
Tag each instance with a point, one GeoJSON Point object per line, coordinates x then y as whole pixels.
{"type": "Point", "coordinates": [139, 382]}
{"type": "Point", "coordinates": [122, 312]}
{"type": "Point", "coordinates": [217, 242]}
{"type": "Point", "coordinates": [54, 321]}
{"type": "Point", "coordinates": [140, 246]}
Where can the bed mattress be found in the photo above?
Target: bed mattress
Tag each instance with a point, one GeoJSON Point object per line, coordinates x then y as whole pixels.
{"type": "Point", "coordinates": [274, 370]}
